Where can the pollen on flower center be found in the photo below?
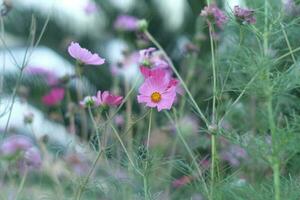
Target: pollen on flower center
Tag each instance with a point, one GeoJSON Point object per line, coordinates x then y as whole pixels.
{"type": "Point", "coordinates": [155, 97]}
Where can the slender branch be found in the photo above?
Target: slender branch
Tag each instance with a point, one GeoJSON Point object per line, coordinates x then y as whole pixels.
{"type": "Point", "coordinates": [21, 186]}
{"type": "Point", "coordinates": [125, 150]}
{"type": "Point", "coordinates": [288, 42]}
{"type": "Point", "coordinates": [82, 186]}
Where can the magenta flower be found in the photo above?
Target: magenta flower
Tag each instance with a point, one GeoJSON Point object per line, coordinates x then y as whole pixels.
{"type": "Point", "coordinates": [84, 56]}
{"type": "Point", "coordinates": [244, 16]}
{"type": "Point", "coordinates": [126, 23]}
{"type": "Point", "coordinates": [214, 15]}
{"type": "Point", "coordinates": [55, 96]}
{"type": "Point", "coordinates": [14, 144]}
{"type": "Point", "coordinates": [88, 101]}
{"type": "Point", "coordinates": [105, 98]}
{"type": "Point", "coordinates": [157, 92]}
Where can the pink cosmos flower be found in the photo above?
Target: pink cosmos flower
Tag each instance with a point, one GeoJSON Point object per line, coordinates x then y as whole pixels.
{"type": "Point", "coordinates": [55, 96]}
{"type": "Point", "coordinates": [146, 72]}
{"type": "Point", "coordinates": [84, 56]}
{"type": "Point", "coordinates": [126, 23]}
{"type": "Point", "coordinates": [157, 92]}
{"type": "Point", "coordinates": [105, 98]}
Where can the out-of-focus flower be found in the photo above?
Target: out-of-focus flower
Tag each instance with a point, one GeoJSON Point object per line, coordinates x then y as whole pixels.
{"type": "Point", "coordinates": [91, 8]}
{"type": "Point", "coordinates": [53, 97]}
{"type": "Point", "coordinates": [15, 144]}
{"type": "Point", "coordinates": [78, 163]}
{"type": "Point", "coordinates": [88, 101]}
{"type": "Point", "coordinates": [106, 98]}
{"type": "Point", "coordinates": [214, 15]}
{"type": "Point", "coordinates": [127, 67]}
{"type": "Point", "coordinates": [233, 155]}
{"type": "Point", "coordinates": [33, 158]}
{"type": "Point", "coordinates": [126, 23]}
{"type": "Point", "coordinates": [152, 58]}
{"type": "Point", "coordinates": [50, 77]}
{"type": "Point", "coordinates": [157, 92]}
{"type": "Point", "coordinates": [84, 56]}
{"type": "Point", "coordinates": [28, 118]}
{"type": "Point", "coordinates": [119, 120]}
{"type": "Point", "coordinates": [244, 16]}
{"type": "Point", "coordinates": [182, 181]}
{"type": "Point", "coordinates": [291, 8]}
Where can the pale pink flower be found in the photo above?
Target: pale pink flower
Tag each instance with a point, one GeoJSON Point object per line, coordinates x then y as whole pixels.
{"type": "Point", "coordinates": [84, 56]}
{"type": "Point", "coordinates": [126, 23]}
{"type": "Point", "coordinates": [54, 97]}
{"type": "Point", "coordinates": [157, 92]}
{"type": "Point", "coordinates": [91, 8]}
{"type": "Point", "coordinates": [14, 144]}
{"type": "Point", "coordinates": [106, 98]}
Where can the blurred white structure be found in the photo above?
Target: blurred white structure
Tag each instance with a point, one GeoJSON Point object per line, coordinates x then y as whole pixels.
{"type": "Point", "coordinates": [70, 14]}
{"type": "Point", "coordinates": [41, 125]}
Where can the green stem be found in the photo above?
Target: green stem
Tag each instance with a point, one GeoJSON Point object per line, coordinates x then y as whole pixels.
{"type": "Point", "coordinates": [214, 155]}
{"type": "Point", "coordinates": [21, 186]}
{"type": "Point", "coordinates": [156, 43]}
{"type": "Point", "coordinates": [276, 178]}
{"type": "Point", "coordinates": [82, 186]}
{"type": "Point", "coordinates": [95, 126]}
{"type": "Point", "coordinates": [128, 118]}
{"type": "Point", "coordinates": [145, 177]}
{"type": "Point", "coordinates": [146, 195]}
{"type": "Point", "coordinates": [79, 94]}
{"type": "Point", "coordinates": [272, 125]}
{"type": "Point", "coordinates": [213, 165]}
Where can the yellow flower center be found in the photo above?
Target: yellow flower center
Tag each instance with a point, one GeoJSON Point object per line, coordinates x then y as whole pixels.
{"type": "Point", "coordinates": [155, 97]}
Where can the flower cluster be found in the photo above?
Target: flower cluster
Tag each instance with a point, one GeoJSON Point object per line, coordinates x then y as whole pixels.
{"type": "Point", "coordinates": [214, 15]}
{"type": "Point", "coordinates": [244, 16]}
{"type": "Point", "coordinates": [159, 88]}
{"type": "Point", "coordinates": [101, 99]}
